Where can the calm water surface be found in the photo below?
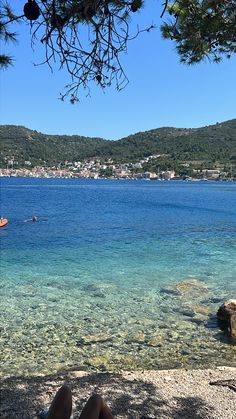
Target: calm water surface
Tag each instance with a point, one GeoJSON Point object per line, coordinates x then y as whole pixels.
{"type": "Point", "coordinates": [116, 274]}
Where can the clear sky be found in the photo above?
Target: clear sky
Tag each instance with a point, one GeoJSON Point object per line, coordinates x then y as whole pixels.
{"type": "Point", "coordinates": [161, 92]}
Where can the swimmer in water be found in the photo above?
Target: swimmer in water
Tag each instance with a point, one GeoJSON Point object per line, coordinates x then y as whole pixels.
{"type": "Point", "coordinates": [32, 219]}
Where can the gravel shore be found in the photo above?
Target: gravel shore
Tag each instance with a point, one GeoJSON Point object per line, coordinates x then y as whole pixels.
{"type": "Point", "coordinates": [170, 394]}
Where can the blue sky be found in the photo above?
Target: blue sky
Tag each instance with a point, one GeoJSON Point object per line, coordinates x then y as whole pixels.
{"type": "Point", "coordinates": [161, 92]}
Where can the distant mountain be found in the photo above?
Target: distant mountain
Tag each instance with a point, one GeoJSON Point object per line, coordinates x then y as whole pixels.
{"type": "Point", "coordinates": [214, 143]}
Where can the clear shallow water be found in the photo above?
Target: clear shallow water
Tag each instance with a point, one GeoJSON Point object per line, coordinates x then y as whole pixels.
{"type": "Point", "coordinates": [116, 274]}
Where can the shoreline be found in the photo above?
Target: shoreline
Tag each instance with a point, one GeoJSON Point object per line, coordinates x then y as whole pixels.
{"type": "Point", "coordinates": [162, 394]}
{"type": "Point", "coordinates": [70, 176]}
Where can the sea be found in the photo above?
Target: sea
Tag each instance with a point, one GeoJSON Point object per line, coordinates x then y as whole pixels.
{"type": "Point", "coordinates": [115, 274]}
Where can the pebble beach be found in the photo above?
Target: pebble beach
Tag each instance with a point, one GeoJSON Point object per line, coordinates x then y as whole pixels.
{"type": "Point", "coordinates": [167, 394]}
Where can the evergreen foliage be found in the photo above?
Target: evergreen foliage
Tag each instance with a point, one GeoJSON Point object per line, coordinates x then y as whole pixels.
{"type": "Point", "coordinates": [202, 29]}
{"type": "Point", "coordinates": [211, 145]}
{"type": "Point", "coordinates": [88, 37]}
{"type": "Point", "coordinates": [6, 35]}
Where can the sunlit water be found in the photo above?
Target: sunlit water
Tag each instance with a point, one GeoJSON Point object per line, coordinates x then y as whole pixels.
{"type": "Point", "coordinates": [116, 274]}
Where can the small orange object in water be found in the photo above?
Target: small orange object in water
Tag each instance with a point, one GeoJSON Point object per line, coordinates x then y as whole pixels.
{"type": "Point", "coordinates": [3, 222]}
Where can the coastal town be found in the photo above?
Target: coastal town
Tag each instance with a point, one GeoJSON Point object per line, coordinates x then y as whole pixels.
{"type": "Point", "coordinates": [97, 169]}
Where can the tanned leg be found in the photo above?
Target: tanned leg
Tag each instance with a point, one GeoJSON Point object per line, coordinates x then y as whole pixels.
{"type": "Point", "coordinates": [61, 406]}
{"type": "Point", "coordinates": [96, 408]}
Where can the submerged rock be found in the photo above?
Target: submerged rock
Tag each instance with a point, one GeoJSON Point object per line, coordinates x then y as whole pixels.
{"type": "Point", "coordinates": [213, 300]}
{"type": "Point", "coordinates": [227, 315]}
{"type": "Point", "coordinates": [188, 312]}
{"type": "Point", "coordinates": [156, 341]}
{"type": "Point", "coordinates": [98, 361]}
{"type": "Point", "coordinates": [97, 290]}
{"type": "Point", "coordinates": [137, 338]}
{"type": "Point", "coordinates": [170, 291]}
{"type": "Point", "coordinates": [201, 309]}
{"type": "Point", "coordinates": [93, 339]}
{"type": "Point", "coordinates": [191, 286]}
{"type": "Point", "coordinates": [198, 321]}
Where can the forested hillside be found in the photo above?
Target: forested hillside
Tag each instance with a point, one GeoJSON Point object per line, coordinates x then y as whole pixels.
{"type": "Point", "coordinates": [27, 145]}
{"type": "Point", "coordinates": [215, 143]}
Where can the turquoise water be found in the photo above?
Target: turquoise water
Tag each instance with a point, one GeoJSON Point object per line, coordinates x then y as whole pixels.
{"type": "Point", "coordinates": [116, 274]}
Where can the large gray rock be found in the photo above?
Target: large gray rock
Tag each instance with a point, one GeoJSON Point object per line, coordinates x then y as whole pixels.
{"type": "Point", "coordinates": [227, 314]}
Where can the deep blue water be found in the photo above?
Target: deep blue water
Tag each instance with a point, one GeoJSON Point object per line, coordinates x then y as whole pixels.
{"type": "Point", "coordinates": [115, 274]}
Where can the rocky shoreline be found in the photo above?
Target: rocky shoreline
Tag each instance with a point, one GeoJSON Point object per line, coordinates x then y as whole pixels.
{"type": "Point", "coordinates": [168, 394]}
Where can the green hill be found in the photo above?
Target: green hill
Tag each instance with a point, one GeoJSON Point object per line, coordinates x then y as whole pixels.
{"type": "Point", "coordinates": [215, 144]}
{"type": "Point", "coordinates": [27, 145]}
